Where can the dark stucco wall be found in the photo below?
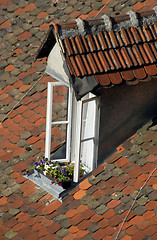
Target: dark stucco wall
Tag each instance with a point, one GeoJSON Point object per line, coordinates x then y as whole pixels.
{"type": "Point", "coordinates": [123, 109]}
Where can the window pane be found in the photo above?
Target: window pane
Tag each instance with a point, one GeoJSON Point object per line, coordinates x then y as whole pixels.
{"type": "Point", "coordinates": [58, 141]}
{"type": "Point", "coordinates": [86, 155]}
{"type": "Point", "coordinates": [87, 135]}
{"type": "Point", "coordinates": [60, 103]}
{"type": "Point", "coordinates": [88, 120]}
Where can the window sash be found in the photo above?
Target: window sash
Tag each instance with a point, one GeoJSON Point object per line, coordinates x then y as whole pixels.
{"type": "Point", "coordinates": [79, 123]}
{"type": "Point", "coordinates": [49, 123]}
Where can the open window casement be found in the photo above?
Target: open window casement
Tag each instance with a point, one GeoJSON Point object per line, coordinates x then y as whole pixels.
{"type": "Point", "coordinates": [58, 122]}
{"type": "Point", "coordinates": [78, 143]}
{"type": "Point", "coordinates": [87, 134]}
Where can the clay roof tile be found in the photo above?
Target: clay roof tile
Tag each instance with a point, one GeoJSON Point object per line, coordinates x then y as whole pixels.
{"type": "Point", "coordinates": [126, 57]}
{"type": "Point", "coordinates": [84, 58]}
{"type": "Point", "coordinates": [138, 54]}
{"type": "Point", "coordinates": [100, 47]}
{"type": "Point", "coordinates": [113, 39]}
{"type": "Point", "coordinates": [143, 53]}
{"type": "Point", "coordinates": [131, 35]}
{"type": "Point", "coordinates": [97, 43]}
{"type": "Point", "coordinates": [115, 78]}
{"type": "Point", "coordinates": [91, 43]}
{"type": "Point", "coordinates": [74, 46]}
{"type": "Point", "coordinates": [121, 59]}
{"type": "Point", "coordinates": [80, 65]}
{"type": "Point", "coordinates": [127, 75]}
{"type": "Point", "coordinates": [98, 62]}
{"type": "Point", "coordinates": [115, 59]}
{"type": "Point", "coordinates": [147, 32]}
{"type": "Point", "coordinates": [92, 63]}
{"type": "Point", "coordinates": [151, 70]}
{"type": "Point", "coordinates": [136, 34]}
{"type": "Point", "coordinates": [102, 40]}
{"type": "Point", "coordinates": [68, 46]}
{"type": "Point", "coordinates": [103, 79]}
{"type": "Point", "coordinates": [76, 69]}
{"type": "Point", "coordinates": [103, 61]}
{"type": "Point", "coordinates": [139, 73]}
{"type": "Point", "coordinates": [149, 52]}
{"type": "Point", "coordinates": [79, 44]}
{"type": "Point", "coordinates": [125, 37]}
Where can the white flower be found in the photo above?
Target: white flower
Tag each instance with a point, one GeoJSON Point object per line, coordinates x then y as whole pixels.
{"type": "Point", "coordinates": [44, 172]}
{"type": "Point", "coordinates": [46, 167]}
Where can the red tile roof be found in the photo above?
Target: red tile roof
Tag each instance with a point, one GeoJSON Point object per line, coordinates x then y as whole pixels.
{"type": "Point", "coordinates": [119, 48]}
{"type": "Point", "coordinates": [22, 204]}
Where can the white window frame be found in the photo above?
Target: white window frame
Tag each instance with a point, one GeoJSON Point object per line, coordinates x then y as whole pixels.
{"type": "Point", "coordinates": [49, 123]}
{"type": "Point", "coordinates": [78, 123]}
{"type": "Point", "coordinates": [74, 127]}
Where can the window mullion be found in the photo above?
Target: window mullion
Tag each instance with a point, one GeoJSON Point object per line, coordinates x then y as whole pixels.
{"type": "Point", "coordinates": [48, 121]}
{"type": "Point", "coordinates": [78, 141]}
{"type": "Point", "coordinates": [68, 145]}
{"type": "Point", "coordinates": [60, 122]}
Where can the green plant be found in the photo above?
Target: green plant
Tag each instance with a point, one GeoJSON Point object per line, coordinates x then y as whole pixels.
{"type": "Point", "coordinates": [58, 171]}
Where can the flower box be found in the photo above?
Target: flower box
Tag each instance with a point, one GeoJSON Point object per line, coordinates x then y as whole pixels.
{"type": "Point", "coordinates": [58, 172]}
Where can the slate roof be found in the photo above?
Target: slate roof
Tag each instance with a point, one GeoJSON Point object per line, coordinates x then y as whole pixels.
{"type": "Point", "coordinates": [24, 209]}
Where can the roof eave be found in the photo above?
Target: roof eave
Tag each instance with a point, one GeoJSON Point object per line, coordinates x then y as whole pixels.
{"type": "Point", "coordinates": [48, 42]}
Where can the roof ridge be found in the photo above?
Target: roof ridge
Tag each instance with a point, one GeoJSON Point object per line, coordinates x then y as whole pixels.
{"type": "Point", "coordinates": [115, 19]}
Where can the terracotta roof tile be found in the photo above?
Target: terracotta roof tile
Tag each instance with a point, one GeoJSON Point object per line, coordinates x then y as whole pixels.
{"type": "Point", "coordinates": [102, 41]}
{"type": "Point", "coordinates": [85, 44]}
{"type": "Point", "coordinates": [115, 78]}
{"type": "Point", "coordinates": [85, 62]}
{"type": "Point", "coordinates": [149, 52]}
{"type": "Point", "coordinates": [76, 69]}
{"type": "Point", "coordinates": [103, 79]}
{"type": "Point", "coordinates": [68, 46]}
{"type": "Point", "coordinates": [80, 65]}
{"type": "Point", "coordinates": [79, 44]}
{"type": "Point", "coordinates": [139, 73]}
{"type": "Point", "coordinates": [127, 75]}
{"type": "Point", "coordinates": [103, 61]}
{"type": "Point", "coordinates": [26, 34]}
{"type": "Point", "coordinates": [106, 51]}
{"type": "Point", "coordinates": [92, 63]}
{"type": "Point", "coordinates": [74, 46]}
{"type": "Point", "coordinates": [133, 57]}
{"type": "Point", "coordinates": [97, 42]}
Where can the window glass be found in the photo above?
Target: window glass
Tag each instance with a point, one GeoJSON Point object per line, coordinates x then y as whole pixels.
{"type": "Point", "coordinates": [60, 103]}
{"type": "Point", "coordinates": [87, 134]}
{"type": "Point", "coordinates": [58, 122]}
{"type": "Point", "coordinates": [58, 141]}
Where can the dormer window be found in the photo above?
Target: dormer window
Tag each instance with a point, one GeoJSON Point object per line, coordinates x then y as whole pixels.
{"type": "Point", "coordinates": [71, 127]}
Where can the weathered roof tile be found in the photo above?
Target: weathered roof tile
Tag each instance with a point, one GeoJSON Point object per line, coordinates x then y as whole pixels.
{"type": "Point", "coordinates": [13, 138]}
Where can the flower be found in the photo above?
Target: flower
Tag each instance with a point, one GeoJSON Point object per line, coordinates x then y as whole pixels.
{"type": "Point", "coordinates": [36, 163]}
{"type": "Point", "coordinates": [59, 172]}
{"type": "Point", "coordinates": [46, 166]}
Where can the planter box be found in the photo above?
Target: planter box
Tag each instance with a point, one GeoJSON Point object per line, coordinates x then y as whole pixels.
{"type": "Point", "coordinates": [45, 183]}
{"type": "Point", "coordinates": [65, 185]}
